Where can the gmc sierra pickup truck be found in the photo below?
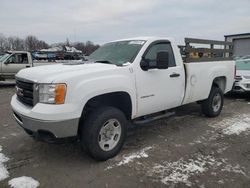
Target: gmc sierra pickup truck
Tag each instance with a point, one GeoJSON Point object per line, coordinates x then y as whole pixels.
{"type": "Point", "coordinates": [13, 61]}
{"type": "Point", "coordinates": [133, 80]}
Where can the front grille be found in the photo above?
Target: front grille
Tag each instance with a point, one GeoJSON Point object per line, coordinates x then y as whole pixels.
{"type": "Point", "coordinates": [24, 92]}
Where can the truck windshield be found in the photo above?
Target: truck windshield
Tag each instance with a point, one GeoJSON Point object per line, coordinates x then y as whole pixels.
{"type": "Point", "coordinates": [243, 64]}
{"type": "Point", "coordinates": [4, 57]}
{"type": "Point", "coordinates": [117, 52]}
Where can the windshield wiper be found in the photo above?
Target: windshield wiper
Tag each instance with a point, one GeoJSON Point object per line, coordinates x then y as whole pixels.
{"type": "Point", "coordinates": [104, 61]}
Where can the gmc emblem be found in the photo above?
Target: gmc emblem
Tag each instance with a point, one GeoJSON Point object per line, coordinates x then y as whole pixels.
{"type": "Point", "coordinates": [19, 91]}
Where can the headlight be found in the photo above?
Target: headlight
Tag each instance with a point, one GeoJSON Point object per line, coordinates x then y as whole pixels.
{"type": "Point", "coordinates": [52, 93]}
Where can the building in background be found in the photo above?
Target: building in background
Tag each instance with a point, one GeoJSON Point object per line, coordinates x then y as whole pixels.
{"type": "Point", "coordinates": [241, 43]}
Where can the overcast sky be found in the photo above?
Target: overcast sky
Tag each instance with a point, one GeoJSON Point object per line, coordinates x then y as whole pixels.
{"type": "Point", "coordinates": [104, 20]}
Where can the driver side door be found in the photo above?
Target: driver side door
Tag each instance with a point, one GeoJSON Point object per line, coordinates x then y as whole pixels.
{"type": "Point", "coordinates": [159, 89]}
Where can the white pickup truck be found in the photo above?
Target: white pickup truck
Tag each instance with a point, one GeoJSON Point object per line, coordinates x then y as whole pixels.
{"type": "Point", "coordinates": [131, 80]}
{"type": "Point", "coordinates": [14, 61]}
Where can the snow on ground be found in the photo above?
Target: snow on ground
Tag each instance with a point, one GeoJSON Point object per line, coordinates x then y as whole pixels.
{"type": "Point", "coordinates": [23, 182]}
{"type": "Point", "coordinates": [233, 125]}
{"type": "Point", "coordinates": [182, 170]}
{"type": "Point", "coordinates": [237, 128]}
{"type": "Point", "coordinates": [3, 171]}
{"type": "Point", "coordinates": [131, 157]}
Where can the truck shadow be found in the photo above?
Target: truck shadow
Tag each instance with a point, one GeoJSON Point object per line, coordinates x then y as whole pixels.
{"type": "Point", "coordinates": [239, 96]}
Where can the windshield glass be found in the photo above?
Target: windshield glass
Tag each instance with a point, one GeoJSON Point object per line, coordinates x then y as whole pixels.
{"type": "Point", "coordinates": [117, 52]}
{"type": "Point", "coordinates": [243, 64]}
{"type": "Point", "coordinates": [5, 56]}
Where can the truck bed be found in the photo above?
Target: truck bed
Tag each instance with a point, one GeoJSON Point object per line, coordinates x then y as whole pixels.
{"type": "Point", "coordinates": [200, 76]}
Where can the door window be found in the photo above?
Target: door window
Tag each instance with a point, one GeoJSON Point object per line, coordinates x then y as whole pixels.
{"type": "Point", "coordinates": [18, 59]}
{"type": "Point", "coordinates": [153, 50]}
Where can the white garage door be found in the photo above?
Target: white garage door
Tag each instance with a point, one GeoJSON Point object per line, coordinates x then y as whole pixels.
{"type": "Point", "coordinates": [241, 47]}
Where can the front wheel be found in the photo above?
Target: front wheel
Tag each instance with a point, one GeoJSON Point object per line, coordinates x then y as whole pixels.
{"type": "Point", "coordinates": [212, 106]}
{"type": "Point", "coordinates": [103, 133]}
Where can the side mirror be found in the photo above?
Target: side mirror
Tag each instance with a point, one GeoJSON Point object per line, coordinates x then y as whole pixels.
{"type": "Point", "coordinates": [6, 62]}
{"type": "Point", "coordinates": [162, 60]}
{"type": "Point", "coordinates": [144, 64]}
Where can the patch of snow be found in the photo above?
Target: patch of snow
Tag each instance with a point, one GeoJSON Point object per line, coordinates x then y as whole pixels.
{"type": "Point", "coordinates": [131, 157]}
{"type": "Point", "coordinates": [222, 149]}
{"type": "Point", "coordinates": [23, 182]}
{"type": "Point", "coordinates": [13, 134]}
{"type": "Point", "coordinates": [236, 169]}
{"type": "Point", "coordinates": [221, 182]}
{"type": "Point", "coordinates": [238, 127]}
{"type": "Point", "coordinates": [208, 136]}
{"type": "Point", "coordinates": [180, 171]}
{"type": "Point", "coordinates": [227, 122]}
{"type": "Point", "coordinates": [3, 171]}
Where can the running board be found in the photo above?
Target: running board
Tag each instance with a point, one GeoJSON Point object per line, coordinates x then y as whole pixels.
{"type": "Point", "coordinates": [148, 119]}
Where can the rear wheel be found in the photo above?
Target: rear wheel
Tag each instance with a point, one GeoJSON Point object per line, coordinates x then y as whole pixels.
{"type": "Point", "coordinates": [212, 106]}
{"type": "Point", "coordinates": [103, 133]}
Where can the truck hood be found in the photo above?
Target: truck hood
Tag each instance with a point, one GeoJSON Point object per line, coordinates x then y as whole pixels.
{"type": "Point", "coordinates": [243, 73]}
{"type": "Point", "coordinates": [59, 72]}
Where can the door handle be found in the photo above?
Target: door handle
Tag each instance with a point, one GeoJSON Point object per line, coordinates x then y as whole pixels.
{"type": "Point", "coordinates": [28, 66]}
{"type": "Point", "coordinates": [174, 75]}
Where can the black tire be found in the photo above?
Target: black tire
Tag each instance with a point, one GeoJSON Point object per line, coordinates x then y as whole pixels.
{"type": "Point", "coordinates": [90, 133]}
{"type": "Point", "coordinates": [208, 106]}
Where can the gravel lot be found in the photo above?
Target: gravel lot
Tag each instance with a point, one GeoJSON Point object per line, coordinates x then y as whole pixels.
{"type": "Point", "coordinates": [185, 150]}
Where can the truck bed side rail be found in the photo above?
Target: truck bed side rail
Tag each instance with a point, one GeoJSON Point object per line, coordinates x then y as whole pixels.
{"type": "Point", "coordinates": [214, 50]}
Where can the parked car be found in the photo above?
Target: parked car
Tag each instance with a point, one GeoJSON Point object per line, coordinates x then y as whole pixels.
{"type": "Point", "coordinates": [133, 80]}
{"type": "Point", "coordinates": [242, 83]}
{"type": "Point", "coordinates": [14, 61]}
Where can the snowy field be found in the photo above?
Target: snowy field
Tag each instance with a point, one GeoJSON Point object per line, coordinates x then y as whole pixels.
{"type": "Point", "coordinates": [187, 150]}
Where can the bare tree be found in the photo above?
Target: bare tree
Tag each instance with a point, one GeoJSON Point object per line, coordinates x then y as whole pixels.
{"type": "Point", "coordinates": [3, 43]}
{"type": "Point", "coordinates": [90, 47]}
{"type": "Point", "coordinates": [18, 44]}
{"type": "Point", "coordinates": [31, 43]}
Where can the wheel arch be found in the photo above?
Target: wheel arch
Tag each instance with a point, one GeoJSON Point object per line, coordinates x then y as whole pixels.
{"type": "Point", "coordinates": [220, 82]}
{"type": "Point", "coordinates": [119, 99]}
